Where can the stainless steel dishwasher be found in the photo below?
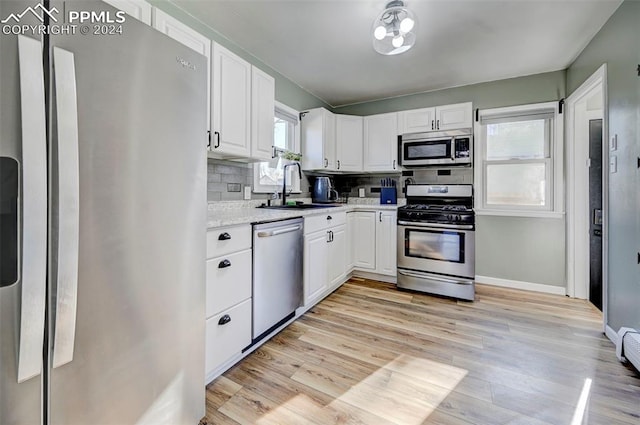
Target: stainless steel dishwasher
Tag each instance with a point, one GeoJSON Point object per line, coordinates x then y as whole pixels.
{"type": "Point", "coordinates": [277, 273]}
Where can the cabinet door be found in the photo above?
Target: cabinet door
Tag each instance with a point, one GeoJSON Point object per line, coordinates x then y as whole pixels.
{"type": "Point", "coordinates": [139, 9]}
{"type": "Point", "coordinates": [351, 218]}
{"type": "Point", "coordinates": [263, 88]}
{"type": "Point", "coordinates": [318, 134]}
{"type": "Point", "coordinates": [315, 265]}
{"type": "Point", "coordinates": [416, 120]}
{"type": "Point", "coordinates": [349, 142]}
{"type": "Point", "coordinates": [381, 142]}
{"type": "Point", "coordinates": [451, 117]}
{"type": "Point", "coordinates": [190, 38]}
{"type": "Point", "coordinates": [364, 240]}
{"type": "Point", "coordinates": [337, 254]}
{"type": "Point", "coordinates": [386, 250]}
{"type": "Point", "coordinates": [231, 94]}
{"type": "Point", "coordinates": [227, 336]}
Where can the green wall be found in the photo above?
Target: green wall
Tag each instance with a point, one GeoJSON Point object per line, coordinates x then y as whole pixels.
{"type": "Point", "coordinates": [287, 91]}
{"type": "Point", "coordinates": [618, 45]}
{"type": "Point", "coordinates": [514, 91]}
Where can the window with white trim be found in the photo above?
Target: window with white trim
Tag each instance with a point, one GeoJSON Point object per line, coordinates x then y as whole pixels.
{"type": "Point", "coordinates": [267, 176]}
{"type": "Point", "coordinates": [518, 167]}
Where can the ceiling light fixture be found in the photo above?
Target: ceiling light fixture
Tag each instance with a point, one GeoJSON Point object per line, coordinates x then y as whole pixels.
{"type": "Point", "coordinates": [394, 30]}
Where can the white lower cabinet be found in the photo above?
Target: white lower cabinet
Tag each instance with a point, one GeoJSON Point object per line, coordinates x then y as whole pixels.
{"type": "Point", "coordinates": [316, 260]}
{"type": "Point", "coordinates": [325, 255]}
{"type": "Point", "coordinates": [227, 334]}
{"type": "Point", "coordinates": [372, 241]}
{"type": "Point", "coordinates": [228, 295]}
{"type": "Point", "coordinates": [364, 240]}
{"type": "Point", "coordinates": [386, 242]}
{"type": "Point", "coordinates": [337, 255]}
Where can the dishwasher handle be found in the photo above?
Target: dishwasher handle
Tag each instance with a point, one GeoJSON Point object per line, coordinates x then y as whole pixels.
{"type": "Point", "coordinates": [279, 231]}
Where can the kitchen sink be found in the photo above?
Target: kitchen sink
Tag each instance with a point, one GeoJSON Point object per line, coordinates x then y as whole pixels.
{"type": "Point", "coordinates": [298, 206]}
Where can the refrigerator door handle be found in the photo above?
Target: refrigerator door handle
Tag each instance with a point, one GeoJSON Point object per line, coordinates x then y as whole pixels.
{"type": "Point", "coordinates": [33, 271]}
{"type": "Point", "coordinates": [68, 206]}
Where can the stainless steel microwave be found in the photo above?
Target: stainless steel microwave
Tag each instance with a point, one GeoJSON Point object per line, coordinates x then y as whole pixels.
{"type": "Point", "coordinates": [442, 148]}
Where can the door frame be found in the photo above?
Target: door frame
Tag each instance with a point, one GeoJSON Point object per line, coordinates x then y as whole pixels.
{"type": "Point", "coordinates": [577, 255]}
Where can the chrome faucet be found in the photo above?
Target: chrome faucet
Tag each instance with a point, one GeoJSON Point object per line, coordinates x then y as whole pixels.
{"type": "Point", "coordinates": [284, 180]}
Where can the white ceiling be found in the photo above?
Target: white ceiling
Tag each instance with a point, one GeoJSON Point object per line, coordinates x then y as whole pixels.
{"type": "Point", "coordinates": [325, 46]}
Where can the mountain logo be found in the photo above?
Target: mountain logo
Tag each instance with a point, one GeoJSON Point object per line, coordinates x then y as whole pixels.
{"type": "Point", "coordinates": [38, 11]}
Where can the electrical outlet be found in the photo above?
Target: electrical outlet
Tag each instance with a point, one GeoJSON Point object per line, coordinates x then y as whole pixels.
{"type": "Point", "coordinates": [247, 192]}
{"type": "Point", "coordinates": [234, 187]}
{"type": "Point", "coordinates": [613, 164]}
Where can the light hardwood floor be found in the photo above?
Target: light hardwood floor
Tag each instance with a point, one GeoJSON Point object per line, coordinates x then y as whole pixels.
{"type": "Point", "coordinates": [370, 354]}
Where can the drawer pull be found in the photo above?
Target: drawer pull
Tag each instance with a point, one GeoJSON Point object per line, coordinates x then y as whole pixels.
{"type": "Point", "coordinates": [224, 319]}
{"type": "Point", "coordinates": [224, 264]}
{"type": "Point", "coordinates": [224, 236]}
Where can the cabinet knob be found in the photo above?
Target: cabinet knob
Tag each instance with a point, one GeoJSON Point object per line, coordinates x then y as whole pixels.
{"type": "Point", "coordinates": [338, 162]}
{"type": "Point", "coordinates": [329, 217]}
{"type": "Point", "coordinates": [224, 236]}
{"type": "Point", "coordinates": [224, 319]}
{"type": "Point", "coordinates": [394, 164]}
{"type": "Point", "coordinates": [433, 125]}
{"type": "Point", "coordinates": [217, 134]}
{"type": "Point", "coordinates": [224, 264]}
{"type": "Point", "coordinates": [438, 125]}
{"type": "Point", "coordinates": [209, 137]}
{"type": "Point", "coordinates": [326, 163]}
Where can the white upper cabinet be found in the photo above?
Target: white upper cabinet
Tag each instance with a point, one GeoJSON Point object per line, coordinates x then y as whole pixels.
{"type": "Point", "coordinates": [190, 38]}
{"type": "Point", "coordinates": [451, 117]}
{"type": "Point", "coordinates": [381, 142]}
{"type": "Point", "coordinates": [416, 120]}
{"type": "Point", "coordinates": [263, 89]}
{"type": "Point", "coordinates": [318, 134]}
{"type": "Point", "coordinates": [231, 105]}
{"type": "Point", "coordinates": [439, 118]}
{"type": "Point", "coordinates": [349, 142]}
{"type": "Point", "coordinates": [139, 9]}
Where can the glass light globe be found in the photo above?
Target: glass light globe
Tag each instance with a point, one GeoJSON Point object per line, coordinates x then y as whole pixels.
{"type": "Point", "coordinates": [380, 33]}
{"type": "Point", "coordinates": [406, 25]}
{"type": "Point", "coordinates": [394, 29]}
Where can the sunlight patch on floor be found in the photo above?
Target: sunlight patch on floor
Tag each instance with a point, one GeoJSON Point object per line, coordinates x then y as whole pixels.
{"type": "Point", "coordinates": [583, 401]}
{"type": "Point", "coordinates": [406, 390]}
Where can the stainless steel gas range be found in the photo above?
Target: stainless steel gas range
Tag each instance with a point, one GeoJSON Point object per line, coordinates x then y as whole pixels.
{"type": "Point", "coordinates": [436, 240]}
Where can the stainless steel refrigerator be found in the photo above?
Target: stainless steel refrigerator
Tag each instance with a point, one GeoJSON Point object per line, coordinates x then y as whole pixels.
{"type": "Point", "coordinates": [102, 222]}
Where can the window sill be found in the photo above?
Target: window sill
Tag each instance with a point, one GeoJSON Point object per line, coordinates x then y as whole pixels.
{"type": "Point", "coordinates": [517, 213]}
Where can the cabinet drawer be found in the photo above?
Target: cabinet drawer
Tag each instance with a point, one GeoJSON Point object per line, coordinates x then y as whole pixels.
{"type": "Point", "coordinates": [228, 239]}
{"type": "Point", "coordinates": [228, 281]}
{"type": "Point", "coordinates": [226, 340]}
{"type": "Point", "coordinates": [322, 221]}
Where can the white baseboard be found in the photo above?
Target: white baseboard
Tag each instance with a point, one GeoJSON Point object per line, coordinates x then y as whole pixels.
{"type": "Point", "coordinates": [527, 286]}
{"type": "Point", "coordinates": [611, 334]}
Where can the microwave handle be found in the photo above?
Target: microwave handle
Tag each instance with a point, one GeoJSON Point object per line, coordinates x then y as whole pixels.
{"type": "Point", "coordinates": [453, 149]}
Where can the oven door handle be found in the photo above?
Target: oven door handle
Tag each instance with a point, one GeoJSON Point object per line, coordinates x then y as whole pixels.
{"type": "Point", "coordinates": [419, 275]}
{"type": "Point", "coordinates": [436, 225]}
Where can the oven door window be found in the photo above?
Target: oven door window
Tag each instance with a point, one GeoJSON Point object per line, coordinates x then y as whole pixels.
{"type": "Point", "coordinates": [434, 149]}
{"type": "Point", "coordinates": [440, 245]}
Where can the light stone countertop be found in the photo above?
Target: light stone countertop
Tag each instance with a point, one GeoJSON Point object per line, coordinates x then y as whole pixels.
{"type": "Point", "coordinates": [221, 214]}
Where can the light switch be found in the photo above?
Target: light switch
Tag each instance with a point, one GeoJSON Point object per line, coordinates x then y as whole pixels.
{"type": "Point", "coordinates": [613, 143]}
{"type": "Point", "coordinates": [613, 164]}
